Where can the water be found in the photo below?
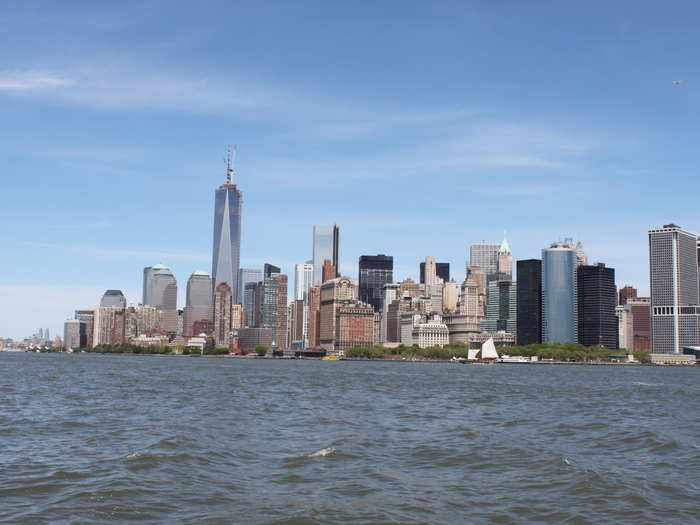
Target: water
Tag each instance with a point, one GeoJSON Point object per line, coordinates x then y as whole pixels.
{"type": "Point", "coordinates": [129, 439]}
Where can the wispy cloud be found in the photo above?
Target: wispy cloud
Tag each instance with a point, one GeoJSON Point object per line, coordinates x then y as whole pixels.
{"type": "Point", "coordinates": [29, 81]}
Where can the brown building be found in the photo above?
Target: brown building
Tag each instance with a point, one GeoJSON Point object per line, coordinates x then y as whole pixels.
{"type": "Point", "coordinates": [333, 292]}
{"type": "Point", "coordinates": [222, 315]}
{"type": "Point", "coordinates": [87, 317]}
{"type": "Point", "coordinates": [640, 307]}
{"type": "Point", "coordinates": [314, 300]}
{"type": "Point", "coordinates": [354, 325]}
{"type": "Point", "coordinates": [296, 321]}
{"type": "Point", "coordinates": [329, 272]}
{"type": "Point", "coordinates": [109, 325]}
{"type": "Point", "coordinates": [625, 293]}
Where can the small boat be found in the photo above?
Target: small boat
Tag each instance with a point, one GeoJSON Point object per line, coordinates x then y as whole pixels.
{"type": "Point", "coordinates": [331, 358]}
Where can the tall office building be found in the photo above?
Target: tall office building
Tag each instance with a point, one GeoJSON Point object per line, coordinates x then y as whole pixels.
{"type": "Point", "coordinates": [333, 292]}
{"type": "Point", "coordinates": [226, 256]}
{"type": "Point", "coordinates": [505, 261]}
{"type": "Point", "coordinates": [249, 304]}
{"type": "Point", "coordinates": [581, 257]}
{"type": "Point", "coordinates": [559, 297]}
{"type": "Point", "coordinates": [246, 276]}
{"type": "Point", "coordinates": [160, 288]}
{"type": "Point", "coordinates": [596, 291]}
{"type": "Point", "coordinates": [354, 325]}
{"type": "Point", "coordinates": [303, 280]}
{"type": "Point", "coordinates": [529, 316]}
{"type": "Point", "coordinates": [634, 324]}
{"type": "Point", "coordinates": [148, 273]}
{"type": "Point", "coordinates": [88, 318]}
{"type": "Point", "coordinates": [375, 271]}
{"type": "Point", "coordinates": [271, 304]}
{"type": "Point", "coordinates": [223, 329]}
{"type": "Point", "coordinates": [626, 292]}
{"type": "Point", "coordinates": [501, 310]}
{"type": "Point", "coordinates": [113, 298]}
{"type": "Point", "coordinates": [198, 306]}
{"type": "Point", "coordinates": [450, 296]}
{"type": "Point", "coordinates": [74, 334]}
{"type": "Point", "coordinates": [673, 264]}
{"type": "Point", "coordinates": [485, 256]}
{"type": "Point", "coordinates": [442, 270]}
{"type": "Point", "coordinates": [469, 303]}
{"type": "Point", "coordinates": [325, 246]}
{"type": "Point", "coordinates": [109, 325]}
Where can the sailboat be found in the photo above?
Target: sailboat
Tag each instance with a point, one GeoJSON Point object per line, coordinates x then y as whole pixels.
{"type": "Point", "coordinates": [488, 350]}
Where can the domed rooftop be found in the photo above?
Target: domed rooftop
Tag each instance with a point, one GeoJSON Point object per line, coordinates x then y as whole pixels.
{"type": "Point", "coordinates": [201, 273]}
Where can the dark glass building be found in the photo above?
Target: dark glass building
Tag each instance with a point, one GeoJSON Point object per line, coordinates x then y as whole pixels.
{"type": "Point", "coordinates": [597, 297]}
{"type": "Point", "coordinates": [529, 299]}
{"type": "Point", "coordinates": [441, 269]}
{"type": "Point", "coordinates": [375, 272]}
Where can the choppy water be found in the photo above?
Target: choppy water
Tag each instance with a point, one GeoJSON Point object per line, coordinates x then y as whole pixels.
{"type": "Point", "coordinates": [88, 439]}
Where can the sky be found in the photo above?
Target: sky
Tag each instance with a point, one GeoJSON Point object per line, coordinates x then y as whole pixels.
{"type": "Point", "coordinates": [417, 127]}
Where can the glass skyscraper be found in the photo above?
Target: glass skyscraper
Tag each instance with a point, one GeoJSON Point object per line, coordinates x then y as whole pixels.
{"type": "Point", "coordinates": [375, 271]}
{"type": "Point", "coordinates": [559, 296]}
{"type": "Point", "coordinates": [529, 299]}
{"type": "Point", "coordinates": [226, 252]}
{"type": "Point", "coordinates": [326, 242]}
{"type": "Point", "coordinates": [246, 276]}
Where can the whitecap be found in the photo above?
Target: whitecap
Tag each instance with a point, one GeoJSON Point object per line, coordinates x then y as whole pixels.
{"type": "Point", "coordinates": [133, 455]}
{"type": "Point", "coordinates": [322, 453]}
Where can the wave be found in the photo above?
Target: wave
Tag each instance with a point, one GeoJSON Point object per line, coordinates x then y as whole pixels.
{"type": "Point", "coordinates": [322, 453]}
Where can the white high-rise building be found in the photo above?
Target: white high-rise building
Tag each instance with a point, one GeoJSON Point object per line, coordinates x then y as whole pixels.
{"type": "Point", "coordinates": [485, 256]}
{"type": "Point", "coordinates": [303, 280]}
{"type": "Point", "coordinates": [673, 268]}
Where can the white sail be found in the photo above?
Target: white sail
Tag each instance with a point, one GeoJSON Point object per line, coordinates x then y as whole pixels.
{"type": "Point", "coordinates": [488, 350]}
{"type": "Point", "coordinates": [471, 355]}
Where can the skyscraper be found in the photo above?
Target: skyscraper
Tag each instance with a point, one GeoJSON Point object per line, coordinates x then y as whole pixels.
{"type": "Point", "coordinates": [113, 298]}
{"type": "Point", "coordinates": [325, 246]}
{"type": "Point", "coordinates": [505, 261]}
{"type": "Point", "coordinates": [559, 298]}
{"type": "Point", "coordinates": [442, 270]}
{"type": "Point", "coordinates": [375, 271]}
{"type": "Point", "coordinates": [228, 203]}
{"type": "Point", "coordinates": [303, 280]}
{"type": "Point", "coordinates": [245, 276]}
{"type": "Point", "coordinates": [529, 325]}
{"type": "Point", "coordinates": [626, 292]}
{"type": "Point", "coordinates": [597, 324]}
{"type": "Point", "coordinates": [485, 256]}
{"type": "Point", "coordinates": [222, 315]}
{"type": "Point", "coordinates": [673, 264]}
{"type": "Point", "coordinates": [160, 288]}
{"type": "Point", "coordinates": [198, 306]}
{"type": "Point", "coordinates": [74, 334]}
{"type": "Point", "coordinates": [501, 309]}
{"type": "Point", "coordinates": [148, 272]}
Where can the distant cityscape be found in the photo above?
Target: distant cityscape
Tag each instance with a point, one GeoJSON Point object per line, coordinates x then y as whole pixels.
{"type": "Point", "coordinates": [560, 298]}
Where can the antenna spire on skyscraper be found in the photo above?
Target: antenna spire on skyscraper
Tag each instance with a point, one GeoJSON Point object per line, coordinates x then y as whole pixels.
{"type": "Point", "coordinates": [230, 163]}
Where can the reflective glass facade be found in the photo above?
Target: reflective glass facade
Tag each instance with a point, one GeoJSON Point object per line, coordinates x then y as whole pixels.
{"type": "Point", "coordinates": [325, 247]}
{"type": "Point", "coordinates": [226, 252]}
{"type": "Point", "coordinates": [559, 297]}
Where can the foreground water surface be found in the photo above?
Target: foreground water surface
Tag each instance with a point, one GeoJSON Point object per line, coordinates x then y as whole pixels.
{"type": "Point", "coordinates": [92, 438]}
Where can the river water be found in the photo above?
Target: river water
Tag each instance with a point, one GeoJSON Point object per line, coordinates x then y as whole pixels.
{"type": "Point", "coordinates": [137, 439]}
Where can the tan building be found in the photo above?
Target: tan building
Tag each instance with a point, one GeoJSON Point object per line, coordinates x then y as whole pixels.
{"type": "Point", "coordinates": [222, 315]}
{"type": "Point", "coordinates": [411, 288]}
{"type": "Point", "coordinates": [109, 326]}
{"type": "Point", "coordinates": [237, 316]}
{"type": "Point", "coordinates": [432, 333]}
{"type": "Point", "coordinates": [333, 292]}
{"type": "Point", "coordinates": [450, 296]}
{"type": "Point", "coordinates": [143, 320]}
{"type": "Point", "coordinates": [354, 325]}
{"type": "Point", "coordinates": [461, 326]}
{"type": "Point", "coordinates": [314, 306]}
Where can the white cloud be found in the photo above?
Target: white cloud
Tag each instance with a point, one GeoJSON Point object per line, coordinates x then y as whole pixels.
{"type": "Point", "coordinates": [28, 81]}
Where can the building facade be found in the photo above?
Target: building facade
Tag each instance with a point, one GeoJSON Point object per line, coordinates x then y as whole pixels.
{"type": "Point", "coordinates": [245, 277]}
{"type": "Point", "coordinates": [326, 246]}
{"type": "Point", "coordinates": [375, 271]}
{"type": "Point", "coordinates": [501, 309]}
{"type": "Point", "coordinates": [223, 329]}
{"type": "Point", "coordinates": [559, 294]}
{"type": "Point", "coordinates": [113, 298]}
{"type": "Point", "coordinates": [529, 302]}
{"type": "Point", "coordinates": [354, 325]}
{"type": "Point", "coordinates": [333, 293]}
{"type": "Point", "coordinates": [198, 302]}
{"type": "Point", "coordinates": [485, 256]}
{"type": "Point", "coordinates": [597, 297]}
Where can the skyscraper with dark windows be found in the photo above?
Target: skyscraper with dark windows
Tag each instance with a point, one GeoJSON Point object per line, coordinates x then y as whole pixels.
{"type": "Point", "coordinates": [596, 291]}
{"type": "Point", "coordinates": [529, 299]}
{"type": "Point", "coordinates": [375, 271]}
{"type": "Point", "coordinates": [673, 265]}
{"type": "Point", "coordinates": [325, 247]}
{"type": "Point", "coordinates": [442, 270]}
{"type": "Point", "coordinates": [226, 251]}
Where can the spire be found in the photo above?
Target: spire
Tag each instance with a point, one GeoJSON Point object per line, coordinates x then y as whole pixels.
{"type": "Point", "coordinates": [505, 247]}
{"type": "Point", "coordinates": [230, 163]}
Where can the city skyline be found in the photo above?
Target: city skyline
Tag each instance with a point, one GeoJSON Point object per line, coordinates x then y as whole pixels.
{"type": "Point", "coordinates": [126, 140]}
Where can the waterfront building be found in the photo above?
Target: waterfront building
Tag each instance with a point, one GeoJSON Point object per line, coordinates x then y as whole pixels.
{"type": "Point", "coordinates": [226, 249]}
{"type": "Point", "coordinates": [297, 318]}
{"type": "Point", "coordinates": [374, 272]}
{"type": "Point", "coordinates": [640, 309]}
{"type": "Point", "coordinates": [223, 329]}
{"type": "Point", "coordinates": [109, 326]}
{"type": "Point", "coordinates": [114, 298]}
{"type": "Point", "coordinates": [142, 320]}
{"type": "Point", "coordinates": [272, 303]}
{"type": "Point", "coordinates": [74, 334]}
{"type": "Point", "coordinates": [675, 314]}
{"type": "Point", "coordinates": [333, 292]}
{"type": "Point", "coordinates": [450, 296]}
{"type": "Point", "coordinates": [559, 296]}
{"type": "Point", "coordinates": [250, 338]}
{"type": "Point", "coordinates": [625, 293]}
{"type": "Point", "coordinates": [198, 302]}
{"type": "Point", "coordinates": [390, 292]}
{"type": "Point", "coordinates": [499, 338]}
{"type": "Point", "coordinates": [431, 333]}
{"type": "Point", "coordinates": [442, 270]}
{"type": "Point", "coordinates": [459, 326]}
{"type": "Point", "coordinates": [326, 245]}
{"type": "Point", "coordinates": [624, 328]}
{"type": "Point", "coordinates": [314, 307]}
{"type": "Point", "coordinates": [597, 296]}
{"type": "Point", "coordinates": [88, 319]}
{"type": "Point", "coordinates": [505, 261]}
{"type": "Point", "coordinates": [529, 302]}
{"type": "Point", "coordinates": [485, 256]}
{"type": "Point", "coordinates": [354, 325]}
{"type": "Point", "coordinates": [245, 277]}
{"type": "Point", "coordinates": [501, 309]}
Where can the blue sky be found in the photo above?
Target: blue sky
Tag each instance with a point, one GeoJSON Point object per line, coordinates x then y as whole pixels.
{"type": "Point", "coordinates": [419, 128]}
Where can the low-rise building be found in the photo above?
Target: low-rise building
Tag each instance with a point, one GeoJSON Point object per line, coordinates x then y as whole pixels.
{"type": "Point", "coordinates": [432, 333]}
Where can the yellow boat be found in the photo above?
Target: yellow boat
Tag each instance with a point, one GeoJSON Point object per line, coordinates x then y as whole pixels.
{"type": "Point", "coordinates": [331, 358]}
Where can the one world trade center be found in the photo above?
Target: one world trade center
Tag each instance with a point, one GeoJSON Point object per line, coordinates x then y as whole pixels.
{"type": "Point", "coordinates": [226, 255]}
